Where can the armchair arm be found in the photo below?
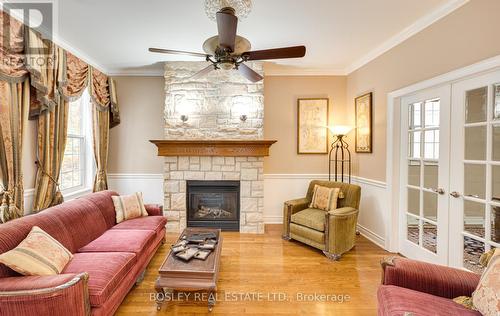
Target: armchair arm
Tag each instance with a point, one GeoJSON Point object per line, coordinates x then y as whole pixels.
{"type": "Point", "coordinates": [154, 209]}
{"type": "Point", "coordinates": [63, 294]}
{"type": "Point", "coordinates": [291, 207]}
{"type": "Point", "coordinates": [340, 230]}
{"type": "Point", "coordinates": [428, 278]}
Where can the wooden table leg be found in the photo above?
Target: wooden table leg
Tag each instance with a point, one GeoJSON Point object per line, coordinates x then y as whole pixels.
{"type": "Point", "coordinates": [160, 296]}
{"type": "Point", "coordinates": [211, 300]}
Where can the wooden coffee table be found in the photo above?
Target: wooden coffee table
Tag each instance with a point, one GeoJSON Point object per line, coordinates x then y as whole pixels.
{"type": "Point", "coordinates": [194, 275]}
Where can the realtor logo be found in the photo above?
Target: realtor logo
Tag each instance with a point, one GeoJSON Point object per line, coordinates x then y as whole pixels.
{"type": "Point", "coordinates": [38, 15]}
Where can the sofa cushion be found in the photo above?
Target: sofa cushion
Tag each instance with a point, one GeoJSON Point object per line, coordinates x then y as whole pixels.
{"type": "Point", "coordinates": [310, 217]}
{"type": "Point", "coordinates": [81, 218]}
{"type": "Point", "coordinates": [106, 271]}
{"type": "Point", "coordinates": [103, 201]}
{"type": "Point", "coordinates": [395, 300]}
{"type": "Point", "coordinates": [38, 254]}
{"type": "Point", "coordinates": [486, 297]}
{"type": "Point", "coordinates": [324, 198]}
{"type": "Point", "coordinates": [121, 240]}
{"type": "Point", "coordinates": [154, 223]}
{"type": "Point", "coordinates": [129, 206]}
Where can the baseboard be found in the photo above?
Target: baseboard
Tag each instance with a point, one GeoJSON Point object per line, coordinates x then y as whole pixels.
{"type": "Point", "coordinates": [273, 219]}
{"type": "Point", "coordinates": [371, 236]}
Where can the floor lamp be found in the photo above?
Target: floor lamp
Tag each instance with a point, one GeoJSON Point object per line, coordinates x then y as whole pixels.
{"type": "Point", "coordinates": [339, 154]}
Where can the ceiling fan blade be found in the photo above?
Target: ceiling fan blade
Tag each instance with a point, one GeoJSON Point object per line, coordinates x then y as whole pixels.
{"type": "Point", "coordinates": [276, 53]}
{"type": "Point", "coordinates": [249, 73]}
{"type": "Point", "coordinates": [203, 72]}
{"type": "Point", "coordinates": [227, 23]}
{"type": "Point", "coordinates": [178, 52]}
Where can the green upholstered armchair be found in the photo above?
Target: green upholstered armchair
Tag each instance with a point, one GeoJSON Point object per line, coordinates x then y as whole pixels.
{"type": "Point", "coordinates": [334, 232]}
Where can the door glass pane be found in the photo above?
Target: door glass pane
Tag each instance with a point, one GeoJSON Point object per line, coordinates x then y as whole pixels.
{"type": "Point", "coordinates": [473, 249]}
{"type": "Point", "coordinates": [495, 183]}
{"type": "Point", "coordinates": [431, 144]}
{"type": "Point", "coordinates": [414, 201]}
{"type": "Point", "coordinates": [431, 171]}
{"type": "Point", "coordinates": [475, 105]}
{"type": "Point", "coordinates": [496, 142]}
{"type": "Point", "coordinates": [495, 223]}
{"type": "Point", "coordinates": [430, 205]}
{"type": "Point", "coordinates": [474, 218]}
{"type": "Point", "coordinates": [414, 172]}
{"type": "Point", "coordinates": [475, 143]}
{"type": "Point", "coordinates": [415, 111]}
{"type": "Point", "coordinates": [414, 144]}
{"type": "Point", "coordinates": [496, 108]}
{"type": "Point", "coordinates": [474, 180]}
{"type": "Point", "coordinates": [429, 238]}
{"type": "Point", "coordinates": [412, 230]}
{"type": "Point", "coordinates": [431, 118]}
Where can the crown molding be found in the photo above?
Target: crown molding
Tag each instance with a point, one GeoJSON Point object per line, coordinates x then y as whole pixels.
{"type": "Point", "coordinates": [408, 32]}
{"type": "Point", "coordinates": [304, 71]}
{"type": "Point", "coordinates": [56, 39]}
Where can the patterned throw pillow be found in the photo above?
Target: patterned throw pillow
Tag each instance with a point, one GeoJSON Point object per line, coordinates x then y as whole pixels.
{"type": "Point", "coordinates": [38, 254]}
{"type": "Point", "coordinates": [129, 206]}
{"type": "Point", "coordinates": [324, 198]}
{"type": "Point", "coordinates": [486, 297]}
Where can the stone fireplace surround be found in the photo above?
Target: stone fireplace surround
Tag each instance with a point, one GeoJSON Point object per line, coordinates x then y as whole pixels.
{"type": "Point", "coordinates": [214, 105]}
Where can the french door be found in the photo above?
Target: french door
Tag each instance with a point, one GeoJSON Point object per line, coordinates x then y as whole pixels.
{"type": "Point", "coordinates": [425, 175]}
{"type": "Point", "coordinates": [450, 172]}
{"type": "Point", "coordinates": [475, 177]}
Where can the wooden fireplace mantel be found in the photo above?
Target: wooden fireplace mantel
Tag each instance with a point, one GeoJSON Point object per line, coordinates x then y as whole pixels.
{"type": "Point", "coordinates": [229, 148]}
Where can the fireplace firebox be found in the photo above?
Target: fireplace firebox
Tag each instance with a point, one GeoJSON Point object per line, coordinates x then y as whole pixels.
{"type": "Point", "coordinates": [213, 204]}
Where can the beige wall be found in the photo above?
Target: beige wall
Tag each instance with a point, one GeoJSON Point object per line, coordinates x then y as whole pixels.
{"type": "Point", "coordinates": [280, 119]}
{"type": "Point", "coordinates": [141, 101]}
{"type": "Point", "coordinates": [466, 36]}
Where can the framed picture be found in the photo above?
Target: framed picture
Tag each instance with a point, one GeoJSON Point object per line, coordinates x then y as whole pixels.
{"type": "Point", "coordinates": [363, 108]}
{"type": "Point", "coordinates": [312, 122]}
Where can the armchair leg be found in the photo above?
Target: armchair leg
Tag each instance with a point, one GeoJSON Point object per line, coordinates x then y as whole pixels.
{"type": "Point", "coordinates": [332, 256]}
{"type": "Point", "coordinates": [286, 237]}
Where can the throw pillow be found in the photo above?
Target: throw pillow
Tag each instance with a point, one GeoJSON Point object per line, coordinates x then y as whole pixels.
{"type": "Point", "coordinates": [486, 297]}
{"type": "Point", "coordinates": [129, 206]}
{"type": "Point", "coordinates": [38, 254]}
{"type": "Point", "coordinates": [324, 198]}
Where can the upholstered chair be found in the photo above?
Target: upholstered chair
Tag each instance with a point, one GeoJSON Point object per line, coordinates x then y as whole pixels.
{"type": "Point", "coordinates": [333, 232]}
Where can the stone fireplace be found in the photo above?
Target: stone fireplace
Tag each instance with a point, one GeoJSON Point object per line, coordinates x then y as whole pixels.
{"type": "Point", "coordinates": [205, 148]}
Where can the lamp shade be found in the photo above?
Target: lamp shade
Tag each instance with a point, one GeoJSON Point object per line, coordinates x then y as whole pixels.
{"type": "Point", "coordinates": [340, 129]}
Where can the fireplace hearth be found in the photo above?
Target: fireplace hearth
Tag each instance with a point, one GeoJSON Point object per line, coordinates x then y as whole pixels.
{"type": "Point", "coordinates": [214, 204]}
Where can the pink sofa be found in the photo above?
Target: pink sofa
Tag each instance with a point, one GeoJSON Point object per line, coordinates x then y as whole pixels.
{"type": "Point", "coordinates": [423, 289]}
{"type": "Point", "coordinates": [108, 258]}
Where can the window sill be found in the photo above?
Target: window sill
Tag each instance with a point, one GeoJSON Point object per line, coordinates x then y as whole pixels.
{"type": "Point", "coordinates": [71, 195]}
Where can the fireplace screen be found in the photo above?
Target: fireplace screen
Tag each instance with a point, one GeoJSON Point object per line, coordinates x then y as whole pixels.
{"type": "Point", "coordinates": [213, 204]}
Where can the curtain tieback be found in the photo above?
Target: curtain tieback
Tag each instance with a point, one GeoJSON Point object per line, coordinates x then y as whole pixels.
{"type": "Point", "coordinates": [45, 173]}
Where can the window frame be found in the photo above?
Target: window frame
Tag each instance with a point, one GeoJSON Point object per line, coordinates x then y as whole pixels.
{"type": "Point", "coordinates": [87, 167]}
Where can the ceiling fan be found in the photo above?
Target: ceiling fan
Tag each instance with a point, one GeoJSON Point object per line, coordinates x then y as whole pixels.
{"type": "Point", "coordinates": [230, 51]}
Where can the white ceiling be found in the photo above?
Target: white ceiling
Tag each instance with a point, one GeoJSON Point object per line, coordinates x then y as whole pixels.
{"type": "Point", "coordinates": [340, 35]}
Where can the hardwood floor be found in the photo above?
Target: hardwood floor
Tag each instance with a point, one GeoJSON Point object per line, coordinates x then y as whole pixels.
{"type": "Point", "coordinates": [256, 266]}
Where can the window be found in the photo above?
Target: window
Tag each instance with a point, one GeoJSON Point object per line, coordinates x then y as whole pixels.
{"type": "Point", "coordinates": [77, 166]}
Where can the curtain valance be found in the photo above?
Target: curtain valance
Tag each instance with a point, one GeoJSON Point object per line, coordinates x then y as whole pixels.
{"type": "Point", "coordinates": [12, 63]}
{"type": "Point", "coordinates": [53, 71]}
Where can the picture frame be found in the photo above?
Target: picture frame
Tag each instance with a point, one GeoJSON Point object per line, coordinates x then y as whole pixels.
{"type": "Point", "coordinates": [363, 115]}
{"type": "Point", "coordinates": [312, 125]}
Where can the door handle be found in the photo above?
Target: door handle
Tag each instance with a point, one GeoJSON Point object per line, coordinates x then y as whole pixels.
{"type": "Point", "coordinates": [455, 194]}
{"type": "Point", "coordinates": [438, 191]}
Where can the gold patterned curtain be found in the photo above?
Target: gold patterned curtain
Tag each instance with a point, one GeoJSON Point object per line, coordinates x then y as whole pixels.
{"type": "Point", "coordinates": [14, 105]}
{"type": "Point", "coordinates": [38, 80]}
{"type": "Point", "coordinates": [71, 77]}
{"type": "Point", "coordinates": [101, 99]}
